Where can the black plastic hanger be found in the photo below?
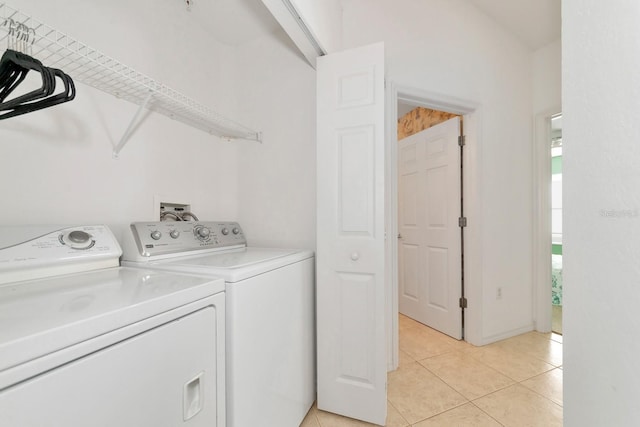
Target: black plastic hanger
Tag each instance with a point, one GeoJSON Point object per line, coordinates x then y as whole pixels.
{"type": "Point", "coordinates": [29, 64]}
{"type": "Point", "coordinates": [67, 95]}
{"type": "Point", "coordinates": [14, 68]}
{"type": "Point", "coordinates": [11, 75]}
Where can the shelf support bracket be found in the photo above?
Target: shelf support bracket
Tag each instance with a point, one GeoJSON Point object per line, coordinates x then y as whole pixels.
{"type": "Point", "coordinates": [132, 125]}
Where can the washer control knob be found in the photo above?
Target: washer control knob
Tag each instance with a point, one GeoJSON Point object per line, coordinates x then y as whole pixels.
{"type": "Point", "coordinates": [174, 234]}
{"type": "Point", "coordinates": [204, 232]}
{"type": "Point", "coordinates": [156, 235]}
{"type": "Point", "coordinates": [78, 236]}
{"type": "Point", "coordinates": [235, 230]}
{"type": "Point", "coordinates": [77, 239]}
{"type": "Point", "coordinates": [225, 231]}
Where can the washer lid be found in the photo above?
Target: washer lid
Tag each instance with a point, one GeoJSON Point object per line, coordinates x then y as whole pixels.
{"type": "Point", "coordinates": [237, 264]}
{"type": "Point", "coordinates": [39, 317]}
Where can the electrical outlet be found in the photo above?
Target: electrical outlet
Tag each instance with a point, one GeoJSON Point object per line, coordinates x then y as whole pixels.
{"type": "Point", "coordinates": [498, 293]}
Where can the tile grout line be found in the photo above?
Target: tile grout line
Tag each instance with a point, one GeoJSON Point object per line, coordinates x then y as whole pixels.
{"type": "Point", "coordinates": [521, 353]}
{"type": "Point", "coordinates": [533, 355]}
{"type": "Point", "coordinates": [486, 366]}
{"type": "Point", "coordinates": [515, 381]}
{"type": "Point", "coordinates": [486, 413]}
{"type": "Point", "coordinates": [408, 424]}
{"type": "Point", "coordinates": [443, 412]}
{"type": "Point", "coordinates": [538, 393]}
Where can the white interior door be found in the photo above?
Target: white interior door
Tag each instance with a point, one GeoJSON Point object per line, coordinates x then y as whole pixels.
{"type": "Point", "coordinates": [429, 244]}
{"type": "Point", "coordinates": [352, 363]}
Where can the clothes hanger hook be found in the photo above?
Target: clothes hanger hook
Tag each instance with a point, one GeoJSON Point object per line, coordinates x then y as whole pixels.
{"type": "Point", "coordinates": [12, 31]}
{"type": "Point", "coordinates": [8, 22]}
{"type": "Point", "coordinates": [33, 40]}
{"type": "Point", "coordinates": [20, 38]}
{"type": "Point", "coordinates": [24, 37]}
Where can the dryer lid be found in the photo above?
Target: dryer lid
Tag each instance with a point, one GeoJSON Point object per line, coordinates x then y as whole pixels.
{"type": "Point", "coordinates": [39, 317]}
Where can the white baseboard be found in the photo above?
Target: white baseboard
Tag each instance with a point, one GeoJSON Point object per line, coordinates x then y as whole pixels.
{"type": "Point", "coordinates": [508, 334]}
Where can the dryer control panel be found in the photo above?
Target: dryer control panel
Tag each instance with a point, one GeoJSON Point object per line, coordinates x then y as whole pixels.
{"type": "Point", "coordinates": [32, 252]}
{"type": "Point", "coordinates": [173, 238]}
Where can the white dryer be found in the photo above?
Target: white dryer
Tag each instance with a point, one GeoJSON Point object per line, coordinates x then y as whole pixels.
{"type": "Point", "coordinates": [270, 297]}
{"type": "Point", "coordinates": [84, 342]}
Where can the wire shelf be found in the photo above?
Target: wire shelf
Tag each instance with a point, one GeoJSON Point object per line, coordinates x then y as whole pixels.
{"type": "Point", "coordinates": [93, 68]}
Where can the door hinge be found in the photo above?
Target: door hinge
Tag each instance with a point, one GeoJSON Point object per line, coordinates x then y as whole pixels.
{"type": "Point", "coordinates": [463, 302]}
{"type": "Point", "coordinates": [462, 140]}
{"type": "Point", "coordinates": [462, 221]}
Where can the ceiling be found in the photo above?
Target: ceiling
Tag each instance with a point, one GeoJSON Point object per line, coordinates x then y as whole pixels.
{"type": "Point", "coordinates": [234, 22]}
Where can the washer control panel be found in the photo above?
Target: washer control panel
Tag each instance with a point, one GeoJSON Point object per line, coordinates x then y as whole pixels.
{"type": "Point", "coordinates": [174, 237]}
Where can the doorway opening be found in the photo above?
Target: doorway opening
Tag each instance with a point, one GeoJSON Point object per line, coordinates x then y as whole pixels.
{"type": "Point", "coordinates": [556, 224]}
{"type": "Point", "coordinates": [430, 213]}
{"type": "Point", "coordinates": [472, 182]}
{"type": "Point", "coordinates": [547, 225]}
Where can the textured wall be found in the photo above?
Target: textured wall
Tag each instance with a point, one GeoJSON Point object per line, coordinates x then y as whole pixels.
{"type": "Point", "coordinates": [419, 119]}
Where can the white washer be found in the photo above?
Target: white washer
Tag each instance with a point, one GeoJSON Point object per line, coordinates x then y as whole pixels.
{"type": "Point", "coordinates": [270, 313]}
{"type": "Point", "coordinates": [84, 342]}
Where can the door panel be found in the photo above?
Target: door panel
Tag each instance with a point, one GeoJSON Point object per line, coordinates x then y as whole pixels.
{"type": "Point", "coordinates": [429, 248]}
{"type": "Point", "coordinates": [350, 234]}
{"type": "Point", "coordinates": [410, 269]}
{"type": "Point", "coordinates": [356, 181]}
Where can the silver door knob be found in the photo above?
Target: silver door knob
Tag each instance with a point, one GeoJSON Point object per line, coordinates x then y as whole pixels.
{"type": "Point", "coordinates": [355, 256]}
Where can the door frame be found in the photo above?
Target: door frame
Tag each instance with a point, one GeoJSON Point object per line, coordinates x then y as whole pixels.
{"type": "Point", "coordinates": [472, 174]}
{"type": "Point", "coordinates": [542, 219]}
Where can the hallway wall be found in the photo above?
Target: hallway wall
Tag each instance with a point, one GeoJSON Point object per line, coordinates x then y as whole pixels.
{"type": "Point", "coordinates": [601, 231]}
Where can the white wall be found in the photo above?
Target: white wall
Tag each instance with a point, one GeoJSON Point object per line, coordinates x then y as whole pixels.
{"type": "Point", "coordinates": [449, 47]}
{"type": "Point", "coordinates": [277, 179]}
{"type": "Point", "coordinates": [601, 154]}
{"type": "Point", "coordinates": [56, 164]}
{"type": "Point", "coordinates": [547, 77]}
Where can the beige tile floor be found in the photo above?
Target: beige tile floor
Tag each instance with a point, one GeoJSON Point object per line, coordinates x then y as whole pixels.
{"type": "Point", "coordinates": [444, 382]}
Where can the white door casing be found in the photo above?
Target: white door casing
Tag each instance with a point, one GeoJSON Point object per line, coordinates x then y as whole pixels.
{"type": "Point", "coordinates": [429, 246]}
{"type": "Point", "coordinates": [350, 234]}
